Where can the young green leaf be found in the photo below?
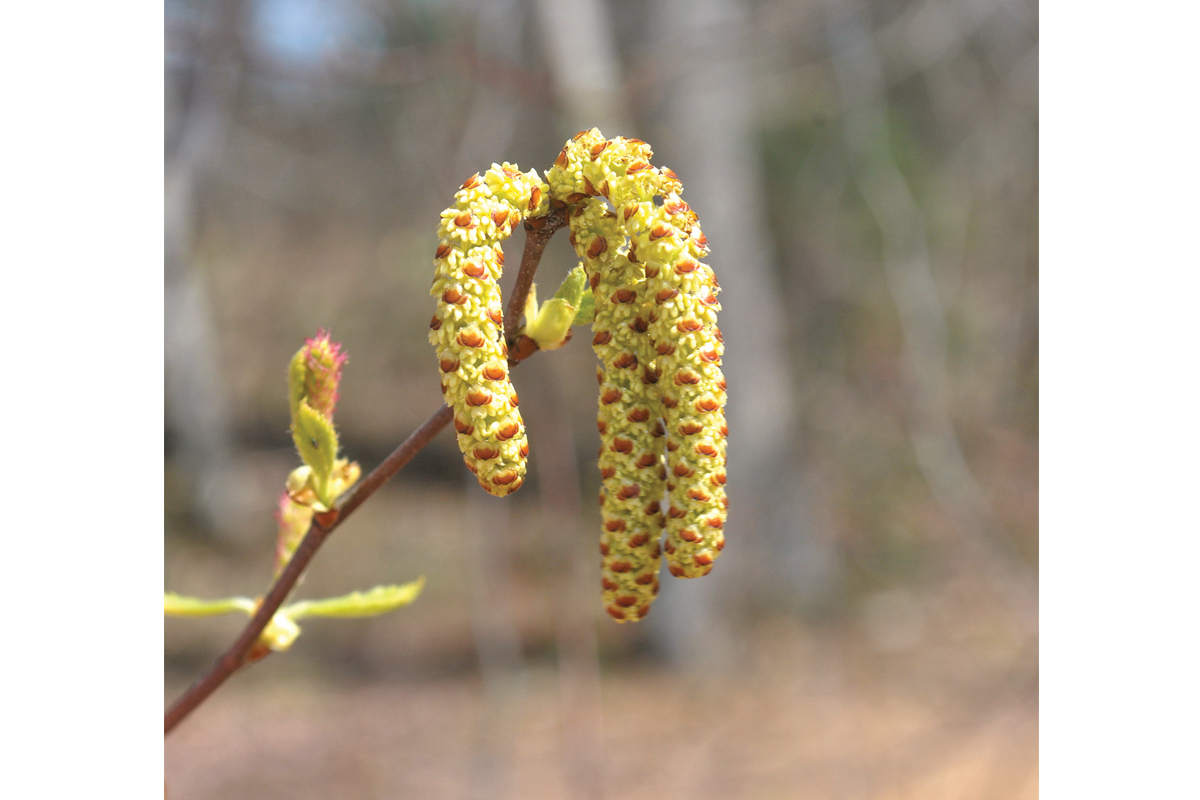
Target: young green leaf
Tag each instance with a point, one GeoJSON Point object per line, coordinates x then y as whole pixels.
{"type": "Point", "coordinates": [317, 444]}
{"type": "Point", "coordinates": [587, 309]}
{"type": "Point", "coordinates": [178, 606]}
{"type": "Point", "coordinates": [550, 325]}
{"type": "Point", "coordinates": [573, 287]}
{"type": "Point", "coordinates": [379, 600]}
{"type": "Point", "coordinates": [297, 381]}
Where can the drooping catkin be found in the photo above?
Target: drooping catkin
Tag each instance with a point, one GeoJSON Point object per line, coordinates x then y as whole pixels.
{"type": "Point", "coordinates": [467, 329]}
{"type": "Point", "coordinates": [629, 420]}
{"type": "Point", "coordinates": [689, 347]}
{"type": "Point", "coordinates": [666, 242]}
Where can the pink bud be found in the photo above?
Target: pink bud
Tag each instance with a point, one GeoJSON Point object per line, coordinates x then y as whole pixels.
{"type": "Point", "coordinates": [323, 361]}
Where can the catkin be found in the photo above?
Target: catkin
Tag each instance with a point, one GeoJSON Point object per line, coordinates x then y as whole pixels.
{"type": "Point", "coordinates": [689, 347]}
{"type": "Point", "coordinates": [629, 420]}
{"type": "Point", "coordinates": [467, 329]}
{"type": "Point", "coordinates": [678, 305]}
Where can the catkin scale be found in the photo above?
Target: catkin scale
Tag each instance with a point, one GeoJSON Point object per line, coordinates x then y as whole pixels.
{"type": "Point", "coordinates": [467, 329]}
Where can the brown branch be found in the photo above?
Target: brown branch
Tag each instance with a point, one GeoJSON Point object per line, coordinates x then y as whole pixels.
{"type": "Point", "coordinates": [538, 233]}
{"type": "Point", "coordinates": [323, 525]}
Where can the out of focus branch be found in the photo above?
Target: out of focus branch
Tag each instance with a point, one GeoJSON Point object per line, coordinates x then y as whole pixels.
{"type": "Point", "coordinates": [538, 233]}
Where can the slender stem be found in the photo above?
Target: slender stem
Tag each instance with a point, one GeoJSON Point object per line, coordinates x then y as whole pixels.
{"type": "Point", "coordinates": [235, 657]}
{"type": "Point", "coordinates": [538, 233]}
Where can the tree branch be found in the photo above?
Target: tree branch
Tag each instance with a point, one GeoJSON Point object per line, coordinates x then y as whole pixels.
{"type": "Point", "coordinates": [538, 233]}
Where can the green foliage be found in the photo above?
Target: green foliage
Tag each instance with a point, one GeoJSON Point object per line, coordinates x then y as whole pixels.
{"type": "Point", "coordinates": [317, 444]}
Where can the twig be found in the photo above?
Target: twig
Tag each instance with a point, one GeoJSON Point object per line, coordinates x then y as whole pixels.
{"type": "Point", "coordinates": [538, 233]}
{"type": "Point", "coordinates": [235, 657]}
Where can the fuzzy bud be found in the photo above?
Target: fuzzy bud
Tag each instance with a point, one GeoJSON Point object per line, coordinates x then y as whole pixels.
{"type": "Point", "coordinates": [314, 374]}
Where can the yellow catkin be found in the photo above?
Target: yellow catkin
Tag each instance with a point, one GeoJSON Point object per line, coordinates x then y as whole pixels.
{"type": "Point", "coordinates": [689, 347]}
{"type": "Point", "coordinates": [678, 294]}
{"type": "Point", "coordinates": [467, 330]}
{"type": "Point", "coordinates": [630, 417]}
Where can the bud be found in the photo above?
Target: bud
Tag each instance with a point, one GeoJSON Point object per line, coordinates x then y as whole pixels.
{"type": "Point", "coordinates": [550, 325]}
{"type": "Point", "coordinates": [293, 520]}
{"type": "Point", "coordinates": [279, 634]}
{"type": "Point", "coordinates": [301, 483]}
{"type": "Point", "coordinates": [313, 377]}
{"type": "Point", "coordinates": [314, 374]}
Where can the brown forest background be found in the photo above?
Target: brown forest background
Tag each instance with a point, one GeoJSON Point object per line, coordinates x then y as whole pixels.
{"type": "Point", "coordinates": [867, 175]}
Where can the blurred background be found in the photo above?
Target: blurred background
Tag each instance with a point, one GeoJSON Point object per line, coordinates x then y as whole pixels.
{"type": "Point", "coordinates": [866, 173]}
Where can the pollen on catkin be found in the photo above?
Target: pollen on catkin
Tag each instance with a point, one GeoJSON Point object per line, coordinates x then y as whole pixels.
{"type": "Point", "coordinates": [629, 420]}
{"type": "Point", "coordinates": [467, 330]}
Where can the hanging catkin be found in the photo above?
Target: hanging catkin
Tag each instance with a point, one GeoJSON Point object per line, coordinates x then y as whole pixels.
{"type": "Point", "coordinates": [662, 394]}
{"type": "Point", "coordinates": [467, 329]}
{"type": "Point", "coordinates": [669, 243]}
{"type": "Point", "coordinates": [630, 416]}
{"type": "Point", "coordinates": [680, 348]}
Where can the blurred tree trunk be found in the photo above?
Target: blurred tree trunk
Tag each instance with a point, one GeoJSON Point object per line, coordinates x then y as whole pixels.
{"type": "Point", "coordinates": [859, 72]}
{"type": "Point", "coordinates": [582, 53]}
{"type": "Point", "coordinates": [196, 406]}
{"type": "Point", "coordinates": [492, 122]}
{"type": "Point", "coordinates": [705, 129]}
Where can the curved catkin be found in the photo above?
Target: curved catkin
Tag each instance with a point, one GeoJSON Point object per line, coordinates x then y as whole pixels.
{"type": "Point", "coordinates": [629, 420]}
{"type": "Point", "coordinates": [467, 329]}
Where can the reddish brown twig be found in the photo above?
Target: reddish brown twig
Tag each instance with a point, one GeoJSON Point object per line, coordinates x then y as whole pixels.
{"type": "Point", "coordinates": [538, 233]}
{"type": "Point", "coordinates": [235, 657]}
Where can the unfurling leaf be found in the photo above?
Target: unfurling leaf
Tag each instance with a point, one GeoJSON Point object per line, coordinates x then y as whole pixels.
{"type": "Point", "coordinates": [550, 325]}
{"type": "Point", "coordinates": [586, 310]}
{"type": "Point", "coordinates": [379, 600]}
{"type": "Point", "coordinates": [317, 444]}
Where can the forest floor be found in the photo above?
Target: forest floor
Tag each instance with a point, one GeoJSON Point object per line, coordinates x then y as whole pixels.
{"type": "Point", "coordinates": [802, 718]}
